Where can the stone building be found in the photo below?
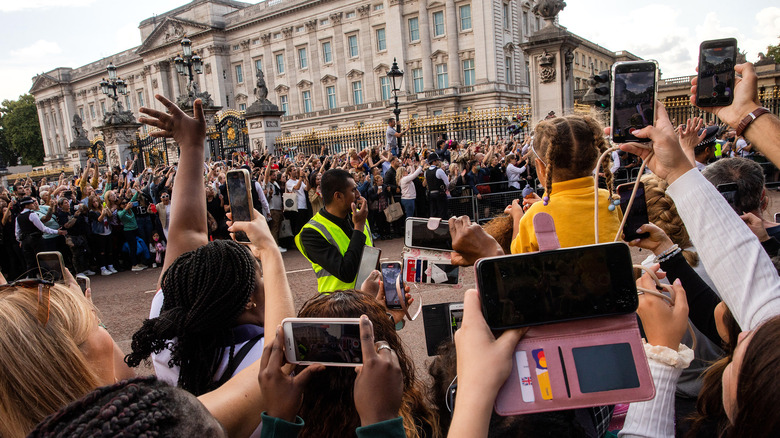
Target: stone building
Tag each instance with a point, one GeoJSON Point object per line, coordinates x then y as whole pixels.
{"type": "Point", "coordinates": [324, 61]}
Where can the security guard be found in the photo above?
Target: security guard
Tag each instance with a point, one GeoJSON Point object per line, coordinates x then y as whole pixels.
{"type": "Point", "coordinates": [332, 241]}
{"type": "Point", "coordinates": [29, 231]}
{"type": "Point", "coordinates": [437, 182]}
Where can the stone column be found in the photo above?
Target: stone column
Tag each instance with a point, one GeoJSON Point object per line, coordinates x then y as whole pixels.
{"type": "Point", "coordinates": [291, 70]}
{"type": "Point", "coordinates": [315, 66]}
{"type": "Point", "coordinates": [425, 47]}
{"type": "Point", "coordinates": [117, 139]}
{"type": "Point", "coordinates": [341, 67]}
{"type": "Point", "coordinates": [453, 64]}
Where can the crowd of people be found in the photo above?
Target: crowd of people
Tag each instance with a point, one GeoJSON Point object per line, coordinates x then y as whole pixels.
{"type": "Point", "coordinates": [214, 336]}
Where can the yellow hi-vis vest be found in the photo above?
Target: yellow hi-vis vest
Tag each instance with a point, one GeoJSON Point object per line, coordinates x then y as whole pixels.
{"type": "Point", "coordinates": [326, 282]}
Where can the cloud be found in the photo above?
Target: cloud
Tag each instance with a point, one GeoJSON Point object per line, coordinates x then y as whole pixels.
{"type": "Point", "coordinates": [16, 5]}
{"type": "Point", "coordinates": [39, 50]}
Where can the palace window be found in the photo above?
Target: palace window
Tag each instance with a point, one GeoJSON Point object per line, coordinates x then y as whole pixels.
{"type": "Point", "coordinates": [280, 63]}
{"type": "Point", "coordinates": [381, 43]}
{"type": "Point", "coordinates": [465, 17]}
{"type": "Point", "coordinates": [331, 92]}
{"type": "Point", "coordinates": [327, 56]}
{"type": "Point", "coordinates": [414, 29]}
{"type": "Point", "coordinates": [357, 92]}
{"type": "Point", "coordinates": [140, 98]}
{"type": "Point", "coordinates": [306, 101]}
{"type": "Point", "coordinates": [352, 42]}
{"type": "Point", "coordinates": [441, 76]}
{"type": "Point", "coordinates": [508, 69]}
{"type": "Point", "coordinates": [468, 72]}
{"type": "Point", "coordinates": [384, 82]}
{"type": "Point", "coordinates": [239, 74]}
{"type": "Point", "coordinates": [283, 103]}
{"type": "Point", "coordinates": [438, 24]}
{"type": "Point", "coordinates": [303, 62]}
{"type": "Point", "coordinates": [417, 79]}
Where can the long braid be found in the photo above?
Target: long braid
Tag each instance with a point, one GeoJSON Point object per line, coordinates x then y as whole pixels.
{"type": "Point", "coordinates": [600, 145]}
{"type": "Point", "coordinates": [133, 408]}
{"type": "Point", "coordinates": [205, 290]}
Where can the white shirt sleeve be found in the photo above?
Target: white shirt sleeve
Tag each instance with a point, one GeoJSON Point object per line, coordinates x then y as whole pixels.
{"type": "Point", "coordinates": [751, 289]}
{"type": "Point", "coordinates": [263, 200]}
{"type": "Point", "coordinates": [513, 172]}
{"type": "Point", "coordinates": [654, 418]}
{"type": "Point", "coordinates": [615, 162]}
{"type": "Point", "coordinates": [440, 173]}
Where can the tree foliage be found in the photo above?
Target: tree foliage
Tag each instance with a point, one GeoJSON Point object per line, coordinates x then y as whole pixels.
{"type": "Point", "coordinates": [22, 132]}
{"type": "Point", "coordinates": [774, 51]}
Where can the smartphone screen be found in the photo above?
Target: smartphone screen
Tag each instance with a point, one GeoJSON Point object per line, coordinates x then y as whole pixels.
{"type": "Point", "coordinates": [368, 263]}
{"type": "Point", "coordinates": [730, 191]}
{"type": "Point", "coordinates": [391, 274]}
{"type": "Point", "coordinates": [323, 342]}
{"type": "Point", "coordinates": [83, 282]}
{"type": "Point", "coordinates": [553, 286]}
{"type": "Point", "coordinates": [456, 317]}
{"type": "Point", "coordinates": [638, 214]}
{"type": "Point", "coordinates": [715, 86]}
{"type": "Point", "coordinates": [423, 237]}
{"type": "Point", "coordinates": [633, 99]}
{"type": "Point", "coordinates": [50, 266]}
{"type": "Point", "coordinates": [238, 195]}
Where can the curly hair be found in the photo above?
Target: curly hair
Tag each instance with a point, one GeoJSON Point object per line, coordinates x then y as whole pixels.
{"type": "Point", "coordinates": [569, 147]}
{"type": "Point", "coordinates": [205, 291]}
{"type": "Point", "coordinates": [328, 406]}
{"type": "Point", "coordinates": [137, 407]}
{"type": "Point", "coordinates": [500, 228]}
{"type": "Point", "coordinates": [662, 212]}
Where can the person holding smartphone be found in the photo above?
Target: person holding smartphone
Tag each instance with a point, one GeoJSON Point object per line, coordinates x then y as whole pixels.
{"type": "Point", "coordinates": [29, 231]}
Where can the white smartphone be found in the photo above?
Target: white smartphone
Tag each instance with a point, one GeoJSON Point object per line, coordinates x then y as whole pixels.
{"type": "Point", "coordinates": [50, 266]}
{"type": "Point", "coordinates": [83, 282]}
{"type": "Point", "coordinates": [368, 264]}
{"type": "Point", "coordinates": [418, 235]}
{"type": "Point", "coordinates": [456, 317]}
{"type": "Point", "coordinates": [327, 341]}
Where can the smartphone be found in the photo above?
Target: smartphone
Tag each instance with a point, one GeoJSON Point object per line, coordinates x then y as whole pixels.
{"type": "Point", "coordinates": [456, 317]}
{"type": "Point", "coordinates": [391, 274]}
{"type": "Point", "coordinates": [328, 341]}
{"type": "Point", "coordinates": [638, 214]}
{"type": "Point", "coordinates": [83, 282]}
{"type": "Point", "coordinates": [730, 191]}
{"type": "Point", "coordinates": [50, 266]}
{"type": "Point", "coordinates": [368, 264]}
{"type": "Point", "coordinates": [418, 235]}
{"type": "Point", "coordinates": [715, 86]}
{"type": "Point", "coordinates": [240, 198]}
{"type": "Point", "coordinates": [553, 286]}
{"type": "Point", "coordinates": [634, 85]}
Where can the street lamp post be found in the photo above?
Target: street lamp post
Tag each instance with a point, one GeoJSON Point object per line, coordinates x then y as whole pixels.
{"type": "Point", "coordinates": [396, 76]}
{"type": "Point", "coordinates": [114, 86]}
{"type": "Point", "coordinates": [186, 64]}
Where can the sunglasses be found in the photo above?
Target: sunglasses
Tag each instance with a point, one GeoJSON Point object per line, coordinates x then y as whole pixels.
{"type": "Point", "coordinates": [44, 295]}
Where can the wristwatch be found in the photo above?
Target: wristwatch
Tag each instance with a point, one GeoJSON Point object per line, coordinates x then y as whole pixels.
{"type": "Point", "coordinates": [753, 115]}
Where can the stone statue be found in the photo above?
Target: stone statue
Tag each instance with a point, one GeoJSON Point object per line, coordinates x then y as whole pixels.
{"type": "Point", "coordinates": [185, 101]}
{"type": "Point", "coordinates": [548, 9]}
{"type": "Point", "coordinates": [261, 91]}
{"type": "Point", "coordinates": [78, 127]}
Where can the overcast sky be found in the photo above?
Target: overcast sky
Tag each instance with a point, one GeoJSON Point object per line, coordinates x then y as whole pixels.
{"type": "Point", "coordinates": [39, 35]}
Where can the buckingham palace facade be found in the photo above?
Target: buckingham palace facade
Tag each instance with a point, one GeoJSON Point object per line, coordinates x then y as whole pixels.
{"type": "Point", "coordinates": [325, 62]}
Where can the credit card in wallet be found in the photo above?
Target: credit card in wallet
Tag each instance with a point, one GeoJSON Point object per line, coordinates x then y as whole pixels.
{"type": "Point", "coordinates": [542, 375]}
{"type": "Point", "coordinates": [524, 372]}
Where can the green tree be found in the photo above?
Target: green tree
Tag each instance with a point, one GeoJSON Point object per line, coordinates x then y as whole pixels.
{"type": "Point", "coordinates": [774, 51]}
{"type": "Point", "coordinates": [7, 156]}
{"type": "Point", "coordinates": [22, 132]}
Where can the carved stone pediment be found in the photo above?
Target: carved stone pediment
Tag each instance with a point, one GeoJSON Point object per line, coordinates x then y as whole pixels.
{"type": "Point", "coordinates": [435, 4]}
{"type": "Point", "coordinates": [329, 80]}
{"type": "Point", "coordinates": [414, 63]}
{"type": "Point", "coordinates": [303, 84]}
{"type": "Point", "coordinates": [466, 54]}
{"type": "Point", "coordinates": [281, 89]}
{"type": "Point", "coordinates": [439, 57]}
{"type": "Point", "coordinates": [171, 31]}
{"type": "Point", "coordinates": [355, 74]}
{"type": "Point", "coordinates": [382, 68]}
{"type": "Point", "coordinates": [509, 48]}
{"type": "Point", "coordinates": [42, 81]}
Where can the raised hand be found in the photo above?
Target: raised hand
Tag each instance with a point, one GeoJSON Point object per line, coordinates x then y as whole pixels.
{"type": "Point", "coordinates": [186, 130]}
{"type": "Point", "coordinates": [745, 96]}
{"type": "Point", "coordinates": [470, 242]}
{"type": "Point", "coordinates": [379, 385]}
{"type": "Point", "coordinates": [689, 136]}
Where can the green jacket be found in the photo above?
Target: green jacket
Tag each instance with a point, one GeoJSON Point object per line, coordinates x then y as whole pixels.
{"type": "Point", "coordinates": [278, 428]}
{"type": "Point", "coordinates": [127, 217]}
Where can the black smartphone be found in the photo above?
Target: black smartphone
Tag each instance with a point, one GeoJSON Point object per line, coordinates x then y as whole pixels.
{"type": "Point", "coordinates": [638, 214]}
{"type": "Point", "coordinates": [369, 262]}
{"type": "Point", "coordinates": [50, 266]}
{"type": "Point", "coordinates": [553, 286]}
{"type": "Point", "coordinates": [418, 235]}
{"type": "Point", "coordinates": [83, 282]}
{"type": "Point", "coordinates": [391, 275]}
{"type": "Point", "coordinates": [715, 85]}
{"type": "Point", "coordinates": [634, 86]}
{"type": "Point", "coordinates": [730, 191]}
{"type": "Point", "coordinates": [436, 325]}
{"type": "Point", "coordinates": [240, 198]}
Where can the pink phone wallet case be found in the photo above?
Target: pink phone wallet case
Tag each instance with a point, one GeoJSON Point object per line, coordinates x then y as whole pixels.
{"type": "Point", "coordinates": [569, 365]}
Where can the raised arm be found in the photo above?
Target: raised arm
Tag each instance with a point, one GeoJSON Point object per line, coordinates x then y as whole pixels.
{"type": "Point", "coordinates": [188, 228]}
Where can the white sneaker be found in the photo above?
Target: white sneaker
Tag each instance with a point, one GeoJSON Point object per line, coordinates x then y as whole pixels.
{"type": "Point", "coordinates": [104, 271]}
{"type": "Point", "coordinates": [88, 272]}
{"type": "Point", "coordinates": [112, 269]}
{"type": "Point", "coordinates": [154, 265]}
{"type": "Point", "coordinates": [138, 267]}
{"type": "Point", "coordinates": [282, 250]}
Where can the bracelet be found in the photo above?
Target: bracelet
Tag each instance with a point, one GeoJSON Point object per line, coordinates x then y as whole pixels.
{"type": "Point", "coordinates": [670, 250]}
{"type": "Point", "coordinates": [753, 115]}
{"type": "Point", "coordinates": [679, 359]}
{"type": "Point", "coordinates": [668, 256]}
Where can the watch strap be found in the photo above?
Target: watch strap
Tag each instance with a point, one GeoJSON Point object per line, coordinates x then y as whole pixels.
{"type": "Point", "coordinates": [753, 115]}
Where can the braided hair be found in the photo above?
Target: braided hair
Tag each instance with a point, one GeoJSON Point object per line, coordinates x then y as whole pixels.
{"type": "Point", "coordinates": [140, 407]}
{"type": "Point", "coordinates": [662, 212]}
{"type": "Point", "coordinates": [569, 147]}
{"type": "Point", "coordinates": [205, 291]}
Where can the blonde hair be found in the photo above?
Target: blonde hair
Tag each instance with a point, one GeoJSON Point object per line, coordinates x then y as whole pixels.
{"type": "Point", "coordinates": [42, 368]}
{"type": "Point", "coordinates": [662, 212]}
{"type": "Point", "coordinates": [402, 172]}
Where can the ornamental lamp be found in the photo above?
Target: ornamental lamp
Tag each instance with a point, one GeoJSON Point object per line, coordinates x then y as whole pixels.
{"type": "Point", "coordinates": [197, 64]}
{"type": "Point", "coordinates": [396, 76]}
{"type": "Point", "coordinates": [179, 63]}
{"type": "Point", "coordinates": [111, 71]}
{"type": "Point", "coordinates": [104, 86]}
{"type": "Point", "coordinates": [186, 47]}
{"type": "Point", "coordinates": [121, 86]}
